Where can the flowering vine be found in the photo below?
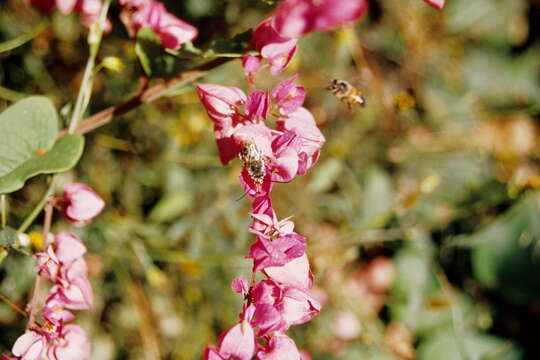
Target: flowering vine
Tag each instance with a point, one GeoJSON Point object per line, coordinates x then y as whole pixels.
{"type": "Point", "coordinates": [283, 297]}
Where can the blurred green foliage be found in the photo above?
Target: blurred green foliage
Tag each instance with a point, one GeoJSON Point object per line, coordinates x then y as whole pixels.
{"type": "Point", "coordinates": [438, 174]}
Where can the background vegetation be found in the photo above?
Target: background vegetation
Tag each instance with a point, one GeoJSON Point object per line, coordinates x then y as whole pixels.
{"type": "Point", "coordinates": [422, 215]}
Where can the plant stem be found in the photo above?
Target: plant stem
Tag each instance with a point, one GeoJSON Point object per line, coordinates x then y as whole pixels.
{"type": "Point", "coordinates": [145, 96]}
{"type": "Point", "coordinates": [35, 212]}
{"type": "Point", "coordinates": [85, 91]}
{"type": "Point", "coordinates": [13, 305]}
{"type": "Point", "coordinates": [3, 209]}
{"type": "Point", "coordinates": [32, 304]}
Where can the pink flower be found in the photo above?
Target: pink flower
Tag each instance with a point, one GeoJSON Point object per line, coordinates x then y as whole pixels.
{"type": "Point", "coordinates": [63, 259]}
{"type": "Point", "coordinates": [280, 347]}
{"type": "Point", "coordinates": [302, 123]}
{"type": "Point", "coordinates": [71, 344]}
{"type": "Point", "coordinates": [277, 252]}
{"type": "Point", "coordinates": [265, 221]}
{"type": "Point", "coordinates": [172, 31]}
{"type": "Point", "coordinates": [296, 273]}
{"type": "Point", "coordinates": [289, 97]}
{"type": "Point", "coordinates": [75, 294]}
{"type": "Point", "coordinates": [55, 311]}
{"type": "Point", "coordinates": [276, 49]}
{"type": "Point", "coordinates": [278, 306]}
{"type": "Point", "coordinates": [294, 18]}
{"type": "Point", "coordinates": [438, 4]}
{"type": "Point", "coordinates": [80, 204]}
{"type": "Point", "coordinates": [235, 343]}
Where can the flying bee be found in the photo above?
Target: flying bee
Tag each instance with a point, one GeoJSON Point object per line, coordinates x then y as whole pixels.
{"type": "Point", "coordinates": [347, 93]}
{"type": "Point", "coordinates": [253, 161]}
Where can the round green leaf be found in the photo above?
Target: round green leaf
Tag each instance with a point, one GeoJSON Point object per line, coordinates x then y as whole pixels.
{"type": "Point", "coordinates": [28, 128]}
{"type": "Point", "coordinates": [63, 156]}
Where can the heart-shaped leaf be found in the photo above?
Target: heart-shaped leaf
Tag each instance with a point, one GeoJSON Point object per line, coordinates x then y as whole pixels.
{"type": "Point", "coordinates": [29, 129]}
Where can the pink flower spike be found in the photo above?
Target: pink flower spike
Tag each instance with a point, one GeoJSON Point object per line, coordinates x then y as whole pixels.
{"type": "Point", "coordinates": [30, 346]}
{"type": "Point", "coordinates": [294, 18]}
{"type": "Point", "coordinates": [438, 4]}
{"type": "Point", "coordinates": [288, 96]}
{"type": "Point", "coordinates": [257, 105]}
{"type": "Point", "coordinates": [211, 353]}
{"type": "Point", "coordinates": [81, 204]}
{"type": "Point", "coordinates": [295, 273]}
{"type": "Point", "coordinates": [74, 345]}
{"type": "Point", "coordinates": [280, 347]}
{"type": "Point", "coordinates": [68, 247]}
{"type": "Point", "coordinates": [238, 342]}
{"type": "Point", "coordinates": [66, 6]}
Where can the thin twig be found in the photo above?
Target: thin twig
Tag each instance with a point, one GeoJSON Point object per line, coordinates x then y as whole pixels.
{"type": "Point", "coordinates": [13, 306]}
{"type": "Point", "coordinates": [145, 96]}
{"type": "Point", "coordinates": [32, 304]}
{"type": "Point", "coordinates": [3, 209]}
{"type": "Point", "coordinates": [24, 38]}
{"type": "Point", "coordinates": [94, 40]}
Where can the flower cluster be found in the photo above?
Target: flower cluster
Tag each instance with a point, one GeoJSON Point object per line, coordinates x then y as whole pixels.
{"type": "Point", "coordinates": [283, 299]}
{"type": "Point", "coordinates": [62, 263]}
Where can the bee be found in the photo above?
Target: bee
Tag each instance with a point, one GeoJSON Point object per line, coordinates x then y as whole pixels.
{"type": "Point", "coordinates": [253, 161]}
{"type": "Point", "coordinates": [346, 93]}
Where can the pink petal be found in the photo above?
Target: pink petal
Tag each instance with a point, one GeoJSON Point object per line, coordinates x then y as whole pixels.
{"type": "Point", "coordinates": [29, 346]}
{"type": "Point", "coordinates": [296, 273]}
{"type": "Point", "coordinates": [257, 105]}
{"type": "Point", "coordinates": [238, 342]}
{"type": "Point", "coordinates": [438, 4]}
{"type": "Point", "coordinates": [68, 247]}
{"type": "Point", "coordinates": [240, 286]}
{"type": "Point", "coordinates": [83, 204]}
{"type": "Point", "coordinates": [280, 347]}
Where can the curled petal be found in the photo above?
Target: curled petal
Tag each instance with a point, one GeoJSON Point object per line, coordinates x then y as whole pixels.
{"type": "Point", "coordinates": [81, 204]}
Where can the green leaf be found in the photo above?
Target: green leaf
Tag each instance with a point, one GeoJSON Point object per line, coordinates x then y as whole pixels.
{"type": "Point", "coordinates": [443, 345]}
{"type": "Point", "coordinates": [8, 237]}
{"type": "Point", "coordinates": [506, 253]}
{"type": "Point", "coordinates": [155, 60]}
{"type": "Point", "coordinates": [63, 156]}
{"type": "Point", "coordinates": [27, 127]}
